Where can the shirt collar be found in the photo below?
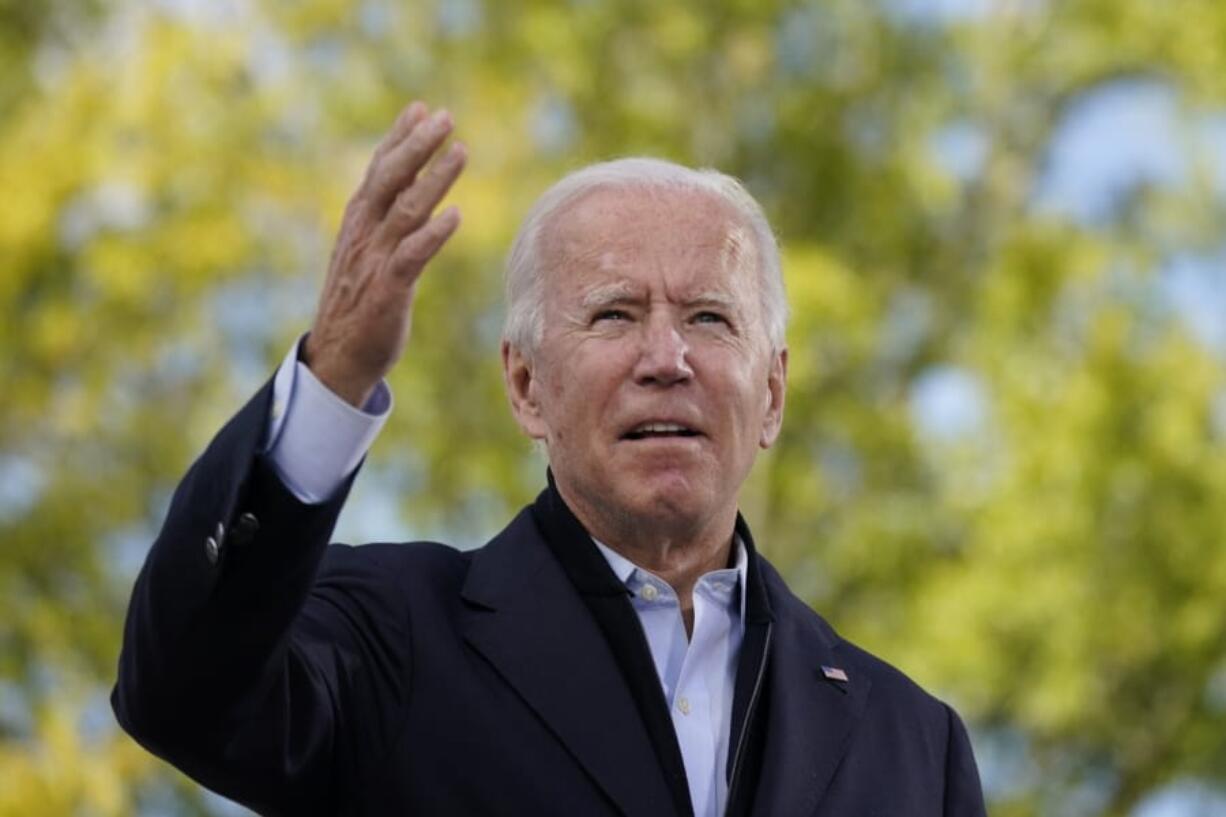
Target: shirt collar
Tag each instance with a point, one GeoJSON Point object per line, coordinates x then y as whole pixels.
{"type": "Point", "coordinates": [624, 569]}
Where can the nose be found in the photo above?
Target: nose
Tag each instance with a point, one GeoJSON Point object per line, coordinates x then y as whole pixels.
{"type": "Point", "coordinates": [664, 356]}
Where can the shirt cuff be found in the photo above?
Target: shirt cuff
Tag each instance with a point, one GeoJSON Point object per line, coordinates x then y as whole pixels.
{"type": "Point", "coordinates": [315, 438]}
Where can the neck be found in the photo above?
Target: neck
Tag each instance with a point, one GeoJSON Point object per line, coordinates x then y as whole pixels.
{"type": "Point", "coordinates": [676, 550]}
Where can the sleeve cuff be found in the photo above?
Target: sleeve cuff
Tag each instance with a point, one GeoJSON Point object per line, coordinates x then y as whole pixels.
{"type": "Point", "coordinates": [315, 439]}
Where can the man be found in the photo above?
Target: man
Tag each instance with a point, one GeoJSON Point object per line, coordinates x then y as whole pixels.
{"type": "Point", "coordinates": [620, 648]}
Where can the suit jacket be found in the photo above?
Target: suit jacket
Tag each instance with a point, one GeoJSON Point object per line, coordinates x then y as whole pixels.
{"type": "Point", "coordinates": [299, 677]}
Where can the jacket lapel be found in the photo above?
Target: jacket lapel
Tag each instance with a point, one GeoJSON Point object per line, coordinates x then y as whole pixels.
{"type": "Point", "coordinates": [813, 713]}
{"type": "Point", "coordinates": [526, 618]}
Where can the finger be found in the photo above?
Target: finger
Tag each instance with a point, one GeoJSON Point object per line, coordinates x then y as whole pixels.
{"type": "Point", "coordinates": [407, 119]}
{"type": "Point", "coordinates": [417, 201]}
{"type": "Point", "coordinates": [358, 209]}
{"type": "Point", "coordinates": [417, 248]}
{"type": "Point", "coordinates": [398, 167]}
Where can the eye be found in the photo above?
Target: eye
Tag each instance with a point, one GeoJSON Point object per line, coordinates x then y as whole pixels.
{"type": "Point", "coordinates": [710, 317]}
{"type": "Point", "coordinates": [611, 315]}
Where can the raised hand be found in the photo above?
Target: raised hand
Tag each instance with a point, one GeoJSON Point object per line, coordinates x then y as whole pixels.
{"type": "Point", "coordinates": [387, 236]}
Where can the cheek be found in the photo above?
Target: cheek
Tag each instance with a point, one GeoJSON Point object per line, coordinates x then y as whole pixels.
{"type": "Point", "coordinates": [751, 405]}
{"type": "Point", "coordinates": [566, 407]}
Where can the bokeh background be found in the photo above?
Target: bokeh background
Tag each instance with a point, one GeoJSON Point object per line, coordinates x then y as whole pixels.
{"type": "Point", "coordinates": [1004, 461]}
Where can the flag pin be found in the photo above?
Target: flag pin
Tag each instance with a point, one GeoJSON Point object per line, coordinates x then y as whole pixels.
{"type": "Point", "coordinates": [834, 674]}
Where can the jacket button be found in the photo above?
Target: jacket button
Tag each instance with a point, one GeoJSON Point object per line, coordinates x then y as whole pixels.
{"type": "Point", "coordinates": [212, 550]}
{"type": "Point", "coordinates": [244, 530]}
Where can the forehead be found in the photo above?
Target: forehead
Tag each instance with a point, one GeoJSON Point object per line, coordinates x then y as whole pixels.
{"type": "Point", "coordinates": [687, 238]}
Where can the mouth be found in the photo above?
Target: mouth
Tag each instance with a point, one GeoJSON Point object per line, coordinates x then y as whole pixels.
{"type": "Point", "coordinates": [654, 430]}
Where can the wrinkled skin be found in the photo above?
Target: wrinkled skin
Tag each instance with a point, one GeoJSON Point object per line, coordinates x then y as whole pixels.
{"type": "Point", "coordinates": [652, 312]}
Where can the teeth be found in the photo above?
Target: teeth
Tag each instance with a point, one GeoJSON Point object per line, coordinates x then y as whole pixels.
{"type": "Point", "coordinates": [659, 428]}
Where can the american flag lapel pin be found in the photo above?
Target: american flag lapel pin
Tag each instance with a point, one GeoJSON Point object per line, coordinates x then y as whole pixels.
{"type": "Point", "coordinates": [834, 674]}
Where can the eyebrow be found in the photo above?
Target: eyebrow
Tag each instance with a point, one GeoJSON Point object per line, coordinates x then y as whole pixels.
{"type": "Point", "coordinates": [607, 294]}
{"type": "Point", "coordinates": [622, 292]}
{"type": "Point", "coordinates": [713, 299]}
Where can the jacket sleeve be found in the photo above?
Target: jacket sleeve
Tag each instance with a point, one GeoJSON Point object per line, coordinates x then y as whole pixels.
{"type": "Point", "coordinates": [248, 639]}
{"type": "Point", "coordinates": [963, 792]}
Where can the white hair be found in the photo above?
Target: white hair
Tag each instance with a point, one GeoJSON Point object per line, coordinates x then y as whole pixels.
{"type": "Point", "coordinates": [525, 322]}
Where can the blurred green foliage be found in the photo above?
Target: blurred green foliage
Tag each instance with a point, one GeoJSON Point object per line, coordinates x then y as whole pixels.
{"type": "Point", "coordinates": [1049, 560]}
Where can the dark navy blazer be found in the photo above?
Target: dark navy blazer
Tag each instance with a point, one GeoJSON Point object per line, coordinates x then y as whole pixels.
{"type": "Point", "coordinates": [414, 679]}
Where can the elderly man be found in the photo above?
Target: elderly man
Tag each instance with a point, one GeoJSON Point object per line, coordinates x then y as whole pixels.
{"type": "Point", "coordinates": [620, 648]}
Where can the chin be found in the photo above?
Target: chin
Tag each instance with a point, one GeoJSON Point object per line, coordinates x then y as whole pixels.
{"type": "Point", "coordinates": [669, 498]}
{"type": "Point", "coordinates": [636, 493]}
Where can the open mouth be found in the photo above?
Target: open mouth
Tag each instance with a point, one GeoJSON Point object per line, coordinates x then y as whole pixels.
{"type": "Point", "coordinates": [648, 431]}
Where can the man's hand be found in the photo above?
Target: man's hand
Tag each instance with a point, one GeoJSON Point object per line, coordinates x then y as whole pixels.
{"type": "Point", "coordinates": [386, 238]}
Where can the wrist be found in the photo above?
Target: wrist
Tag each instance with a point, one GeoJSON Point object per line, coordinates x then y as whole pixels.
{"type": "Point", "coordinates": [353, 391]}
{"type": "Point", "coordinates": [340, 380]}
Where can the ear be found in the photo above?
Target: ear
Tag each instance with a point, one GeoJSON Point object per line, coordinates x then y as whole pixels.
{"type": "Point", "coordinates": [776, 386]}
{"type": "Point", "coordinates": [517, 375]}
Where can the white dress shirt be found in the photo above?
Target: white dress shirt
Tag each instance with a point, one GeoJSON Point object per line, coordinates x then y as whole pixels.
{"type": "Point", "coordinates": [315, 440]}
{"type": "Point", "coordinates": [698, 673]}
